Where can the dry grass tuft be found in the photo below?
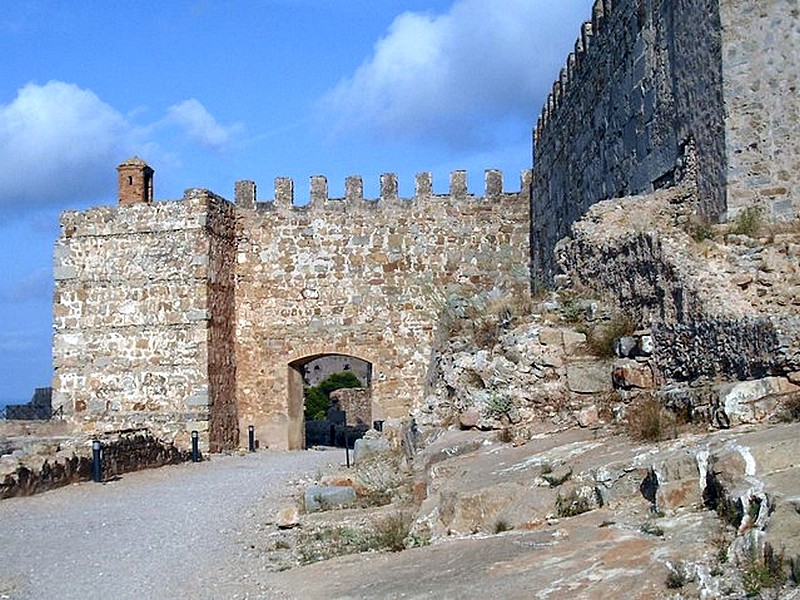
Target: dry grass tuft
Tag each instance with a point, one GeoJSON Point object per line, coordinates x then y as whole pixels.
{"type": "Point", "coordinates": [648, 420]}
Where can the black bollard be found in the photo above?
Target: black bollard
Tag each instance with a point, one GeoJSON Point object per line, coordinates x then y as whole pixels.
{"type": "Point", "coordinates": [251, 438]}
{"type": "Point", "coordinates": [346, 448]}
{"type": "Point", "coordinates": [97, 461]}
{"type": "Point", "coordinates": [195, 449]}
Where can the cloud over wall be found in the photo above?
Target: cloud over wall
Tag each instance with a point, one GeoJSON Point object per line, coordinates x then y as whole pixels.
{"type": "Point", "coordinates": [450, 77]}
{"type": "Point", "coordinates": [56, 140]}
{"type": "Point", "coordinates": [59, 143]}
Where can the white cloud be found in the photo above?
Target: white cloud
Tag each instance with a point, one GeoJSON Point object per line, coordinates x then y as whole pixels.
{"type": "Point", "coordinates": [56, 142]}
{"type": "Point", "coordinates": [59, 143]}
{"type": "Point", "coordinates": [200, 125]}
{"type": "Point", "coordinates": [449, 76]}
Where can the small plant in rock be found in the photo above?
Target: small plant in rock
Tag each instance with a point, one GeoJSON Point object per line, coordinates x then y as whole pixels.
{"type": "Point", "coordinates": [676, 578]}
{"type": "Point", "coordinates": [650, 528]}
{"type": "Point", "coordinates": [649, 421]}
{"type": "Point", "coordinates": [749, 221]}
{"type": "Point", "coordinates": [607, 523]}
{"type": "Point", "coordinates": [762, 572]}
{"type": "Point", "coordinates": [498, 406]}
{"type": "Point", "coordinates": [390, 533]}
{"type": "Point", "coordinates": [571, 504]}
{"type": "Point", "coordinates": [557, 481]}
{"type": "Point", "coordinates": [700, 231]}
{"type": "Point", "coordinates": [502, 525]}
{"type": "Point", "coordinates": [573, 311]}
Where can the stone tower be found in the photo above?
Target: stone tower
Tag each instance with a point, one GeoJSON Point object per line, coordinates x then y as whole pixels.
{"type": "Point", "coordinates": [135, 182]}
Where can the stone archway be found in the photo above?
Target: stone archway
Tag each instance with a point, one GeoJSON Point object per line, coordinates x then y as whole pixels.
{"type": "Point", "coordinates": [311, 370]}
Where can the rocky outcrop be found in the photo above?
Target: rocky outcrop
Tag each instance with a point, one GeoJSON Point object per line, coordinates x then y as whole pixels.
{"type": "Point", "coordinates": [722, 303]}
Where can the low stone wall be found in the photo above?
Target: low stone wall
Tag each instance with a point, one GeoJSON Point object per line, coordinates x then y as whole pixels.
{"type": "Point", "coordinates": [25, 473]}
{"type": "Point", "coordinates": [734, 349]}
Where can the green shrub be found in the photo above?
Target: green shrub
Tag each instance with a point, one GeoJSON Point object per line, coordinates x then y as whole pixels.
{"type": "Point", "coordinates": [498, 406]}
{"type": "Point", "coordinates": [749, 221]}
{"type": "Point", "coordinates": [763, 572]}
{"type": "Point", "coordinates": [701, 231]}
{"type": "Point", "coordinates": [650, 528]}
{"type": "Point", "coordinates": [502, 525]}
{"type": "Point", "coordinates": [318, 397]}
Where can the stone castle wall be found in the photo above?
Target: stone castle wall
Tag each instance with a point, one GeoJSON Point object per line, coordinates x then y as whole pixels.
{"type": "Point", "coordinates": [199, 314]}
{"type": "Point", "coordinates": [647, 78]}
{"type": "Point", "coordinates": [761, 52]}
{"type": "Point", "coordinates": [365, 278]}
{"type": "Point", "coordinates": [142, 318]}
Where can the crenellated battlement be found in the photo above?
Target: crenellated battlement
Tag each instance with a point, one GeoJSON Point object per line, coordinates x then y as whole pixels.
{"type": "Point", "coordinates": [193, 314]}
{"type": "Point", "coordinates": [284, 196]}
{"type": "Point", "coordinates": [585, 46]}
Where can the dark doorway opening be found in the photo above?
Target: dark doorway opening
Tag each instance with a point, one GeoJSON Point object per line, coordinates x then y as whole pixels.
{"type": "Point", "coordinates": [336, 396]}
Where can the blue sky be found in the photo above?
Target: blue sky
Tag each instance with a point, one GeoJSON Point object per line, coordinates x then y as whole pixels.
{"type": "Point", "coordinates": [209, 92]}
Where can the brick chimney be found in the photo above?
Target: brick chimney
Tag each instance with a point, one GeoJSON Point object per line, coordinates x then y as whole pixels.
{"type": "Point", "coordinates": [135, 182]}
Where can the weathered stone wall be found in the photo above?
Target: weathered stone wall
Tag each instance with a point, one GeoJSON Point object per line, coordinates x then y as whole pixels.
{"type": "Point", "coordinates": [223, 421]}
{"type": "Point", "coordinates": [142, 324]}
{"type": "Point", "coordinates": [761, 51]}
{"type": "Point", "coordinates": [198, 314]}
{"type": "Point", "coordinates": [361, 278]}
{"type": "Point", "coordinates": [648, 78]}
{"type": "Point", "coordinates": [25, 474]}
{"type": "Point", "coordinates": [735, 349]}
{"type": "Point", "coordinates": [356, 404]}
{"type": "Point", "coordinates": [725, 307]}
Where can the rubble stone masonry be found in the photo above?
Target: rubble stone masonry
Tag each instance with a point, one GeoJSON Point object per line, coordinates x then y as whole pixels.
{"type": "Point", "coordinates": [648, 77]}
{"type": "Point", "coordinates": [365, 278]}
{"type": "Point", "coordinates": [143, 318]}
{"type": "Point", "coordinates": [199, 314]}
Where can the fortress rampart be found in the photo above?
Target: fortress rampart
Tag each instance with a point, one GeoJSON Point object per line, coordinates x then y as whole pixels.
{"type": "Point", "coordinates": [200, 313]}
{"type": "Point", "coordinates": [648, 77]}
{"type": "Point", "coordinates": [284, 198]}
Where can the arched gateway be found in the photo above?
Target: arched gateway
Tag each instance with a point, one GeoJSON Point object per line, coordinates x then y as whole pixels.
{"type": "Point", "coordinates": [197, 313]}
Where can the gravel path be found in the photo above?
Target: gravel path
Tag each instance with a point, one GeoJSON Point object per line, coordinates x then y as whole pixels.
{"type": "Point", "coordinates": [176, 532]}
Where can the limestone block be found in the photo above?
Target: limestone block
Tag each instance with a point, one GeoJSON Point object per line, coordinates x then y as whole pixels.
{"type": "Point", "coordinates": [288, 517]}
{"type": "Point", "coordinates": [319, 497]}
{"type": "Point", "coordinates": [551, 337]}
{"type": "Point", "coordinates": [469, 419]}
{"type": "Point", "coordinates": [629, 374]}
{"type": "Point", "coordinates": [625, 346]}
{"type": "Point", "coordinates": [365, 447]}
{"type": "Point", "coordinates": [754, 401]}
{"type": "Point", "coordinates": [589, 377]}
{"type": "Point", "coordinates": [588, 417]}
{"type": "Point", "coordinates": [573, 341]}
{"type": "Point", "coordinates": [645, 346]}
